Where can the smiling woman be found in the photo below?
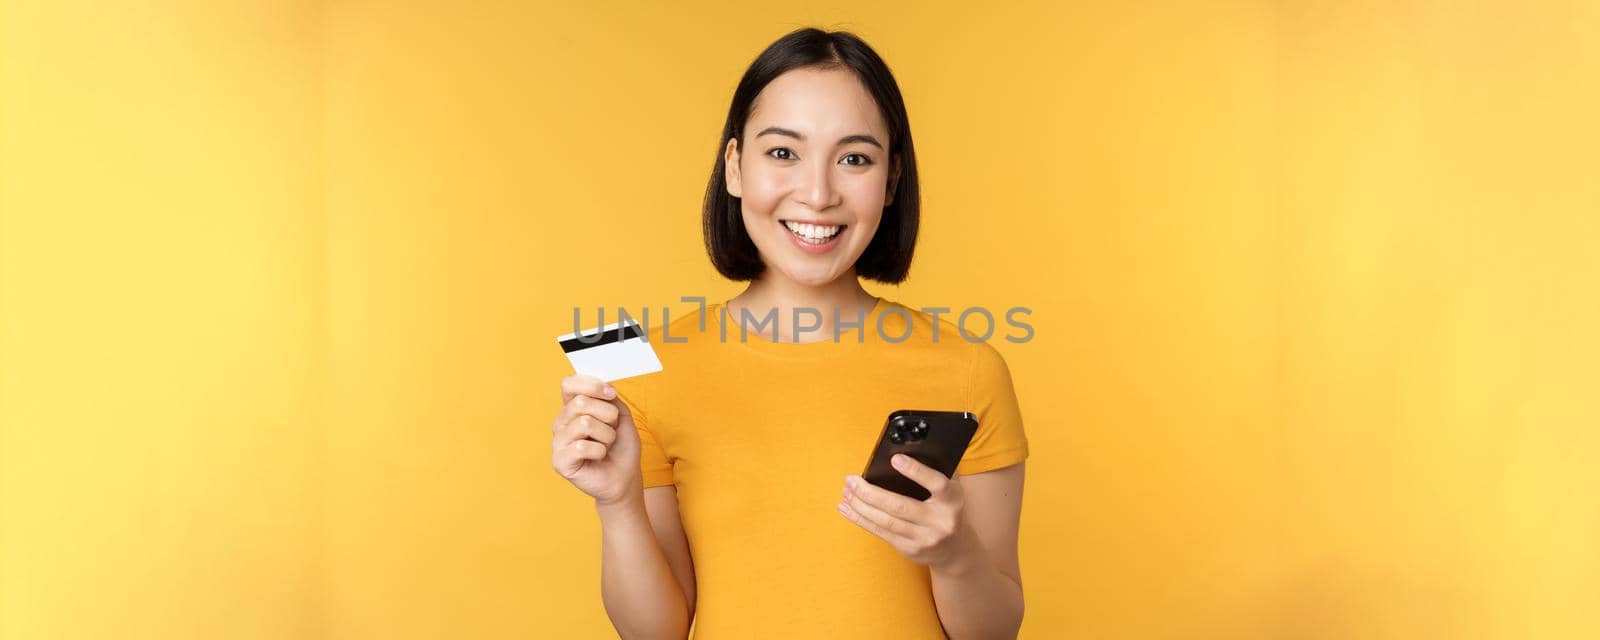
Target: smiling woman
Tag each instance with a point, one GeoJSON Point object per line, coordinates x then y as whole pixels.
{"type": "Point", "coordinates": [832, 148]}
{"type": "Point", "coordinates": [727, 483]}
{"type": "Point", "coordinates": [806, 96]}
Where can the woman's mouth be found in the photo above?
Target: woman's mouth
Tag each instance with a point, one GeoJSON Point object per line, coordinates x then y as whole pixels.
{"type": "Point", "coordinates": [814, 237]}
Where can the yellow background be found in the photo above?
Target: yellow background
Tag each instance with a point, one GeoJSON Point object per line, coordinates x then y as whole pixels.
{"type": "Point", "coordinates": [1316, 288]}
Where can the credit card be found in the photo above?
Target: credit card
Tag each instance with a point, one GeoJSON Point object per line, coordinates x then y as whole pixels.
{"type": "Point", "coordinates": [612, 352]}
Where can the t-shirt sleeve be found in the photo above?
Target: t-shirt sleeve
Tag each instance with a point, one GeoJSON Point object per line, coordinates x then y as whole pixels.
{"type": "Point", "coordinates": [654, 465]}
{"type": "Point", "coordinates": [1000, 441]}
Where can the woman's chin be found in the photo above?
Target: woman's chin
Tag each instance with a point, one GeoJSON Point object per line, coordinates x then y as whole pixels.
{"type": "Point", "coordinates": [810, 275]}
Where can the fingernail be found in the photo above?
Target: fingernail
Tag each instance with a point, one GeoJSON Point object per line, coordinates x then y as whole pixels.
{"type": "Point", "coordinates": [850, 481]}
{"type": "Point", "coordinates": [611, 392]}
{"type": "Point", "coordinates": [899, 461]}
{"type": "Point", "coordinates": [844, 509]}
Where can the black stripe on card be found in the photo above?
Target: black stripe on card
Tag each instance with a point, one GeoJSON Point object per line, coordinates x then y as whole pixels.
{"type": "Point", "coordinates": [579, 343]}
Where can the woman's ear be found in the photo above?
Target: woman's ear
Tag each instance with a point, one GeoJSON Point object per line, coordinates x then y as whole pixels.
{"type": "Point", "coordinates": [730, 169]}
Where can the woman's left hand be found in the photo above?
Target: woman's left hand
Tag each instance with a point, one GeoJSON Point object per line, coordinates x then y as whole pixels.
{"type": "Point", "coordinates": [932, 532]}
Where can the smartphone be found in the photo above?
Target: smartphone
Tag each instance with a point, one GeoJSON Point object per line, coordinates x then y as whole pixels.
{"type": "Point", "coordinates": [934, 438]}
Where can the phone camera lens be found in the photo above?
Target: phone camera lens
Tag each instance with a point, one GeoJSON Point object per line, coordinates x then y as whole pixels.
{"type": "Point", "coordinates": [919, 430]}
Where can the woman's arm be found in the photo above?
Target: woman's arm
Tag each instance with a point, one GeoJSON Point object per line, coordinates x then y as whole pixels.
{"type": "Point", "coordinates": [646, 574]}
{"type": "Point", "coordinates": [979, 592]}
{"type": "Point", "coordinates": [965, 532]}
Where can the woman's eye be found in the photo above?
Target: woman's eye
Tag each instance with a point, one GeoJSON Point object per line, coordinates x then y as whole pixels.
{"type": "Point", "coordinates": [864, 160]}
{"type": "Point", "coordinates": [783, 153]}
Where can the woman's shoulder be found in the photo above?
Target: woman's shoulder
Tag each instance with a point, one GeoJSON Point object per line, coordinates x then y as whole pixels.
{"type": "Point", "coordinates": [937, 333]}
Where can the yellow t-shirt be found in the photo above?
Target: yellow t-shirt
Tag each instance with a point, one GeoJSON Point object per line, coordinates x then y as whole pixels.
{"type": "Point", "coordinates": [758, 437]}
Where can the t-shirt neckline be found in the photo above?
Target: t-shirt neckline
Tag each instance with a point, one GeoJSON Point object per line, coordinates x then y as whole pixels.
{"type": "Point", "coordinates": [848, 338]}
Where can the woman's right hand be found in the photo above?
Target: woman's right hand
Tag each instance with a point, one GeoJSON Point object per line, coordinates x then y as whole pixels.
{"type": "Point", "coordinates": [595, 446]}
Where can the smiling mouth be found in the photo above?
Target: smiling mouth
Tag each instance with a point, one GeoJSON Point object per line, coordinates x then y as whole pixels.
{"type": "Point", "coordinates": [813, 233]}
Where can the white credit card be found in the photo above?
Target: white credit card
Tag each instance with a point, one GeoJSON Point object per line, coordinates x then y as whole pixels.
{"type": "Point", "coordinates": [612, 352]}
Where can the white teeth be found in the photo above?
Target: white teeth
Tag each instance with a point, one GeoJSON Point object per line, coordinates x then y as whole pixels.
{"type": "Point", "coordinates": [812, 231]}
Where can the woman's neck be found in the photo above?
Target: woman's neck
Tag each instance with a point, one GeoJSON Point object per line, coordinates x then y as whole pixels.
{"type": "Point", "coordinates": [844, 296]}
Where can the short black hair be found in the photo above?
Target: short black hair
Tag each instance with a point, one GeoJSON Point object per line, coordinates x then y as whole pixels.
{"type": "Point", "coordinates": [887, 258]}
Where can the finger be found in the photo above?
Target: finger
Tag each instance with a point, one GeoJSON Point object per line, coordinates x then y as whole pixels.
{"type": "Point", "coordinates": [919, 473]}
{"type": "Point", "coordinates": [588, 427]}
{"type": "Point", "coordinates": [870, 526]}
{"type": "Point", "coordinates": [887, 501]}
{"type": "Point", "coordinates": [603, 410]}
{"type": "Point", "coordinates": [884, 520]}
{"type": "Point", "coordinates": [588, 450]}
{"type": "Point", "coordinates": [586, 385]}
{"type": "Point", "coordinates": [568, 458]}
{"type": "Point", "coordinates": [585, 428]}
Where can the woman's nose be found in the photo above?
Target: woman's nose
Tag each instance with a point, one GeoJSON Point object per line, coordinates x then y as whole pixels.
{"type": "Point", "coordinates": [817, 191]}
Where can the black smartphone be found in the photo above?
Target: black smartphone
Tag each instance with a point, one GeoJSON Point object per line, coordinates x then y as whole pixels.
{"type": "Point", "coordinates": [934, 438]}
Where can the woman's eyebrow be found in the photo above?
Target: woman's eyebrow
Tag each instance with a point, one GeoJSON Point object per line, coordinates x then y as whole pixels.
{"type": "Point", "coordinates": [859, 137]}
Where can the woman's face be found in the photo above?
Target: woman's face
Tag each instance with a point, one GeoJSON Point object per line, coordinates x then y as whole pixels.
{"type": "Point", "coordinates": [814, 175]}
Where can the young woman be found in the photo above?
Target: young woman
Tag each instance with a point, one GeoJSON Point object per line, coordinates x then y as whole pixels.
{"type": "Point", "coordinates": [727, 484]}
